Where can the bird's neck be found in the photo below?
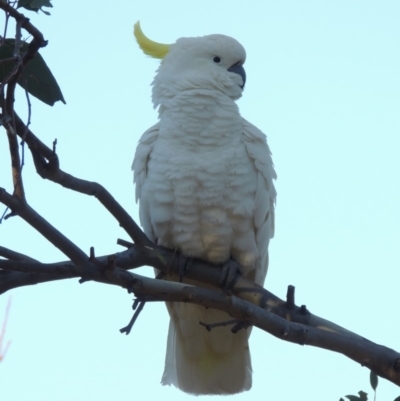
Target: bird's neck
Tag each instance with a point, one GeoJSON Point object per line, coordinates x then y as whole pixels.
{"type": "Point", "coordinates": [197, 114]}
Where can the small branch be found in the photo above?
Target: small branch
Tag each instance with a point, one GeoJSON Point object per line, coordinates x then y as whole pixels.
{"type": "Point", "coordinates": [127, 329]}
{"type": "Point", "coordinates": [18, 37]}
{"type": "Point", "coordinates": [21, 208]}
{"type": "Point", "coordinates": [124, 243]}
{"type": "Point", "coordinates": [7, 17]}
{"type": "Point", "coordinates": [57, 269]}
{"type": "Point", "coordinates": [47, 166]}
{"type": "Point", "coordinates": [11, 82]}
{"type": "Point", "coordinates": [3, 332]}
{"type": "Point", "coordinates": [15, 279]}
{"type": "Point", "coordinates": [8, 60]}
{"type": "Point", "coordinates": [32, 140]}
{"type": "Point", "coordinates": [28, 123]}
{"type": "Point", "coordinates": [33, 47]}
{"type": "Point", "coordinates": [25, 21]}
{"type": "Point", "coordinates": [4, 215]}
{"type": "Point", "coordinates": [290, 303]}
{"type": "Point", "coordinates": [12, 255]}
{"type": "Point", "coordinates": [15, 163]}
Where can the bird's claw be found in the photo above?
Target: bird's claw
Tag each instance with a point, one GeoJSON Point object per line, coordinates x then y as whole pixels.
{"type": "Point", "coordinates": [229, 274]}
{"type": "Point", "coordinates": [184, 265]}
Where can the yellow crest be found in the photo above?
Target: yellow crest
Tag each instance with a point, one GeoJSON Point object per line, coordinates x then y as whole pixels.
{"type": "Point", "coordinates": [153, 49]}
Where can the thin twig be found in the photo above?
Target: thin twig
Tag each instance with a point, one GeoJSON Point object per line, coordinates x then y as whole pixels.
{"type": "Point", "coordinates": [7, 16]}
{"type": "Point", "coordinates": [37, 267]}
{"type": "Point", "coordinates": [3, 216]}
{"type": "Point", "coordinates": [28, 123]}
{"type": "Point", "coordinates": [15, 163]}
{"type": "Point", "coordinates": [8, 60]}
{"type": "Point", "coordinates": [18, 36]}
{"type": "Point", "coordinates": [3, 332]}
{"type": "Point", "coordinates": [47, 166]}
{"type": "Point", "coordinates": [124, 243]}
{"type": "Point", "coordinates": [127, 329]}
{"type": "Point", "coordinates": [25, 21]}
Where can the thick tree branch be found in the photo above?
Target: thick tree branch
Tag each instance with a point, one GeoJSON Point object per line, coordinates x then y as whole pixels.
{"type": "Point", "coordinates": [250, 304]}
{"type": "Point", "coordinates": [382, 360]}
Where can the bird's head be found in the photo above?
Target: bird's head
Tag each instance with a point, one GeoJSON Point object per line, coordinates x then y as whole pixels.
{"type": "Point", "coordinates": [213, 62]}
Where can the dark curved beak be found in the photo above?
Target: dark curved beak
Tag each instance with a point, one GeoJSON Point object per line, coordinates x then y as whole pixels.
{"type": "Point", "coordinates": [238, 69]}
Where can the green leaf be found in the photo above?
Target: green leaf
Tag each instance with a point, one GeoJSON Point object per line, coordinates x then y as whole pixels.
{"type": "Point", "coordinates": [6, 51]}
{"type": "Point", "coordinates": [36, 78]}
{"type": "Point", "coordinates": [373, 379]}
{"type": "Point", "coordinates": [353, 398]}
{"type": "Point", "coordinates": [35, 5]}
{"type": "Point", "coordinates": [41, 3]}
{"type": "Point", "coordinates": [363, 395]}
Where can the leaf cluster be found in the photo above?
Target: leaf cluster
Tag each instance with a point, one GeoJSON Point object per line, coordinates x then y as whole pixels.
{"type": "Point", "coordinates": [35, 5]}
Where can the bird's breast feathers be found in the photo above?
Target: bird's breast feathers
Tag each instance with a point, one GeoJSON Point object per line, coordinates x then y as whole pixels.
{"type": "Point", "coordinates": [199, 191]}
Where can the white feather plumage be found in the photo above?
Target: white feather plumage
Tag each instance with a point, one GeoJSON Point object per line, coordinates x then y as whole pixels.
{"type": "Point", "coordinates": [204, 181]}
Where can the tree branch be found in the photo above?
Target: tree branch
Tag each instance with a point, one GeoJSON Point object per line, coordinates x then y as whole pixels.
{"type": "Point", "coordinates": [11, 82]}
{"type": "Point", "coordinates": [12, 255]}
{"type": "Point", "coordinates": [382, 360]}
{"type": "Point", "coordinates": [48, 167]}
{"type": "Point", "coordinates": [247, 302]}
{"type": "Point", "coordinates": [32, 30]}
{"type": "Point", "coordinates": [55, 237]}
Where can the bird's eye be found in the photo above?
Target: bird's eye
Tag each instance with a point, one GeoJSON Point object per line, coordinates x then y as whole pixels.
{"type": "Point", "coordinates": [216, 59]}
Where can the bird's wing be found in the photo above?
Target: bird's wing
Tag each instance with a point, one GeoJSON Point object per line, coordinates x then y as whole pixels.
{"type": "Point", "coordinates": [264, 213]}
{"type": "Point", "coordinates": [139, 167]}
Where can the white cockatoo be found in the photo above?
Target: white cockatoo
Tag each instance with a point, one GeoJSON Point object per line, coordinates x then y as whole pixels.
{"type": "Point", "coordinates": [204, 182]}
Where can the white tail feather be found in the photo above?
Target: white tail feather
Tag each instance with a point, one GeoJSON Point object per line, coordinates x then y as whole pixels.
{"type": "Point", "coordinates": [201, 362]}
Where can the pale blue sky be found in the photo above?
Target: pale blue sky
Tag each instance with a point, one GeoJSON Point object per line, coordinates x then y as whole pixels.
{"type": "Point", "coordinates": [323, 84]}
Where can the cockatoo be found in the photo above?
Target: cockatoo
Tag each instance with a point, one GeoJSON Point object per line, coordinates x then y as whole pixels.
{"type": "Point", "coordinates": [204, 182]}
